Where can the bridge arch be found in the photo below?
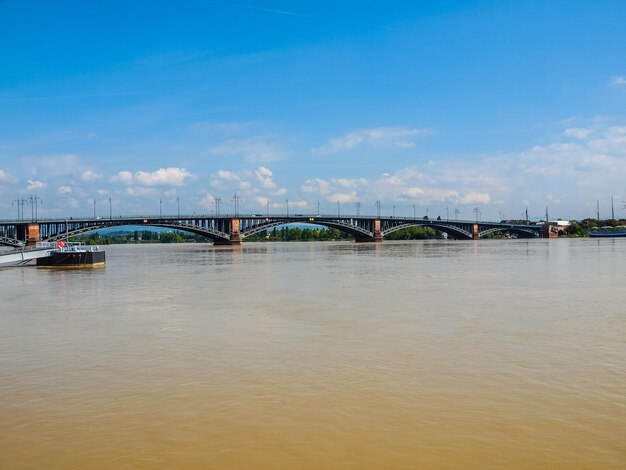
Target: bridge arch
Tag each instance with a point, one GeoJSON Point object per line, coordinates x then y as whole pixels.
{"type": "Point", "coordinates": [350, 229]}
{"type": "Point", "coordinates": [518, 231]}
{"type": "Point", "coordinates": [214, 235]}
{"type": "Point", "coordinates": [455, 232]}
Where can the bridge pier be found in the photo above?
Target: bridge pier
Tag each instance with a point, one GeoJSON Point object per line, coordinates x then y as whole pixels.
{"type": "Point", "coordinates": [235, 234]}
{"type": "Point", "coordinates": [475, 232]}
{"type": "Point", "coordinates": [376, 238]}
{"type": "Point", "coordinates": [29, 233]}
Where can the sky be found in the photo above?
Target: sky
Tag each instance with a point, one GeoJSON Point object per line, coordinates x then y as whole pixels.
{"type": "Point", "coordinates": [438, 107]}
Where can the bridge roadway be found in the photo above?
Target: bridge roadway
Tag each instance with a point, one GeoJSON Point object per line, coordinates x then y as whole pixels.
{"type": "Point", "coordinates": [233, 229]}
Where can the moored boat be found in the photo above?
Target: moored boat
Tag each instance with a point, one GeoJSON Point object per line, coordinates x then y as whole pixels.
{"type": "Point", "coordinates": [68, 255]}
{"type": "Point", "coordinates": [608, 231]}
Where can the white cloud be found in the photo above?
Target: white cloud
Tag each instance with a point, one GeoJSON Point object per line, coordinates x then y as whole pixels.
{"type": "Point", "coordinates": [343, 197]}
{"type": "Point", "coordinates": [72, 202]}
{"type": "Point", "coordinates": [162, 177]}
{"type": "Point", "coordinates": [265, 177]}
{"type": "Point", "coordinates": [6, 178]}
{"type": "Point", "coordinates": [617, 80]}
{"type": "Point", "coordinates": [123, 177]}
{"type": "Point", "coordinates": [208, 201]}
{"type": "Point", "coordinates": [255, 150]}
{"type": "Point", "coordinates": [578, 132]}
{"type": "Point", "coordinates": [227, 175]}
{"type": "Point", "coordinates": [378, 137]}
{"type": "Point", "coordinates": [64, 190]}
{"type": "Point", "coordinates": [140, 191]}
{"type": "Point", "coordinates": [33, 184]}
{"type": "Point", "coordinates": [89, 176]}
{"type": "Point", "coordinates": [299, 204]}
{"type": "Point", "coordinates": [474, 198]}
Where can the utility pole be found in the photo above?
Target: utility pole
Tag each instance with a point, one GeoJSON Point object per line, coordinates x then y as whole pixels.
{"type": "Point", "coordinates": [218, 201]}
{"type": "Point", "coordinates": [160, 208]}
{"type": "Point", "coordinates": [318, 207]}
{"type": "Point", "coordinates": [477, 212]}
{"type": "Point", "coordinates": [358, 205]}
{"type": "Point", "coordinates": [447, 214]}
{"type": "Point", "coordinates": [393, 210]}
{"type": "Point", "coordinates": [178, 205]}
{"type": "Point", "coordinates": [456, 214]}
{"type": "Point", "coordinates": [20, 202]}
{"type": "Point", "coordinates": [94, 207]}
{"type": "Point", "coordinates": [612, 209]}
{"type": "Point", "coordinates": [33, 203]}
{"type": "Point", "coordinates": [110, 209]}
{"type": "Point", "coordinates": [378, 203]}
{"type": "Point", "coordinates": [338, 209]}
{"type": "Point", "coordinates": [414, 211]}
{"type": "Point", "coordinates": [236, 200]}
{"type": "Point", "coordinates": [597, 209]}
{"type": "Point", "coordinates": [287, 203]}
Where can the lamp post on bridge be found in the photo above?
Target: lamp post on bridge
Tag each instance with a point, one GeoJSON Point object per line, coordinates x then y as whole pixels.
{"type": "Point", "coordinates": [217, 201]}
{"type": "Point", "coordinates": [94, 207]}
{"type": "Point", "coordinates": [110, 209]}
{"type": "Point", "coordinates": [287, 203]}
{"type": "Point", "coordinates": [477, 212]}
{"type": "Point", "coordinates": [358, 205]}
{"type": "Point", "coordinates": [178, 206]}
{"type": "Point", "coordinates": [393, 211]}
{"type": "Point", "coordinates": [20, 202]}
{"type": "Point", "coordinates": [160, 208]}
{"type": "Point", "coordinates": [456, 214]}
{"type": "Point", "coordinates": [414, 216]}
{"type": "Point", "coordinates": [33, 207]}
{"type": "Point", "coordinates": [338, 209]}
{"type": "Point", "coordinates": [236, 200]}
{"type": "Point", "coordinates": [378, 204]}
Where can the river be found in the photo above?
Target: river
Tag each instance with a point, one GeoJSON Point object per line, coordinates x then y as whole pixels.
{"type": "Point", "coordinates": [436, 354]}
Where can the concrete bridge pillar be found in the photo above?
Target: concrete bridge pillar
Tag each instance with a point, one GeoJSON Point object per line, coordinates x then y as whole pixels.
{"type": "Point", "coordinates": [475, 232]}
{"type": "Point", "coordinates": [29, 233]}
{"type": "Point", "coordinates": [377, 237]}
{"type": "Point", "coordinates": [235, 234]}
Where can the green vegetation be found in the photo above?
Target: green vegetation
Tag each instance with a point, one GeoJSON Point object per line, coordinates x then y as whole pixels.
{"type": "Point", "coordinates": [414, 233]}
{"type": "Point", "coordinates": [143, 236]}
{"type": "Point", "coordinates": [291, 234]}
{"type": "Point", "coordinates": [581, 228]}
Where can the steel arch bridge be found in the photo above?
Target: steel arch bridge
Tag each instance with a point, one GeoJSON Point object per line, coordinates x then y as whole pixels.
{"type": "Point", "coordinates": [233, 229]}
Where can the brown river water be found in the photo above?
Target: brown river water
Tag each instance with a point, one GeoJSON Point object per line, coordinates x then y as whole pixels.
{"type": "Point", "coordinates": [507, 354]}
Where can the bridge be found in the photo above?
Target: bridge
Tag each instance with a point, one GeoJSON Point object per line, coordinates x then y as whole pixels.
{"type": "Point", "coordinates": [233, 229]}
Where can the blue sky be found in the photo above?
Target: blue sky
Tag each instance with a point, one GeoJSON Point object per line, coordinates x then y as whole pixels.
{"type": "Point", "coordinates": [496, 105]}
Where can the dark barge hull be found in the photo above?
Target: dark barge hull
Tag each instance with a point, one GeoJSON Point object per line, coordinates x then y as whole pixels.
{"type": "Point", "coordinates": [614, 234]}
{"type": "Point", "coordinates": [73, 259]}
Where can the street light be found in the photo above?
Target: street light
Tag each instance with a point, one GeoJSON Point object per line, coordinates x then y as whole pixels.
{"type": "Point", "coordinates": [393, 211]}
{"type": "Point", "coordinates": [110, 209]}
{"type": "Point", "coordinates": [378, 203]}
{"type": "Point", "coordinates": [338, 209]}
{"type": "Point", "coordinates": [178, 205]}
{"type": "Point", "coordinates": [236, 200]}
{"type": "Point", "coordinates": [218, 201]}
{"type": "Point", "coordinates": [456, 214]}
{"type": "Point", "coordinates": [160, 208]}
{"type": "Point", "coordinates": [414, 217]}
{"type": "Point", "coordinates": [358, 205]}
{"type": "Point", "coordinates": [287, 202]}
